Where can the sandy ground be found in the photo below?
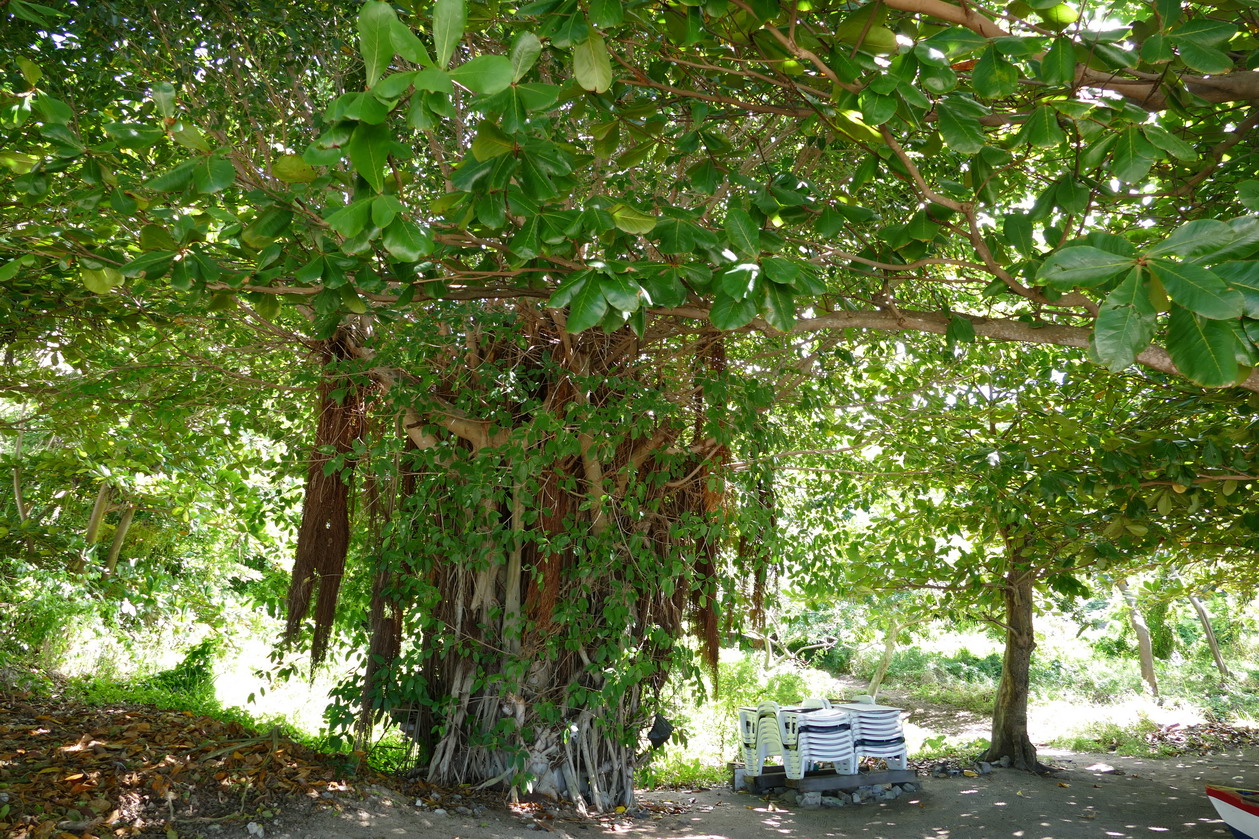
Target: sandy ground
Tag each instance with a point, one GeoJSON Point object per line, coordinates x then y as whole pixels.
{"type": "Point", "coordinates": [1102, 796]}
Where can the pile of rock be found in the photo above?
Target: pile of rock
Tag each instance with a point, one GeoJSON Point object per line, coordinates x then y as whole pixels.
{"type": "Point", "coordinates": [861, 795]}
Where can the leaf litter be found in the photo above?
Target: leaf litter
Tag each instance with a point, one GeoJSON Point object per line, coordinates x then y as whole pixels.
{"type": "Point", "coordinates": [74, 771]}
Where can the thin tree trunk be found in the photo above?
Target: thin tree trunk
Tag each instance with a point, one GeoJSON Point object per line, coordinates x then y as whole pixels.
{"type": "Point", "coordinates": [1009, 719]}
{"type": "Point", "coordinates": [22, 512]}
{"type": "Point", "coordinates": [120, 536]}
{"type": "Point", "coordinates": [92, 534]}
{"type": "Point", "coordinates": [1212, 641]}
{"type": "Point", "coordinates": [1145, 646]}
{"type": "Point", "coordinates": [889, 650]}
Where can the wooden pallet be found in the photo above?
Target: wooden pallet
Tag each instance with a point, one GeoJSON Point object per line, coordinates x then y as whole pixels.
{"type": "Point", "coordinates": [824, 780]}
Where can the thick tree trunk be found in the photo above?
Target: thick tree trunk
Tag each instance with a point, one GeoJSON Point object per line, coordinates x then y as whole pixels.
{"type": "Point", "coordinates": [1009, 719]}
{"type": "Point", "coordinates": [1145, 646]}
{"type": "Point", "coordinates": [1212, 641]}
{"type": "Point", "coordinates": [554, 545]}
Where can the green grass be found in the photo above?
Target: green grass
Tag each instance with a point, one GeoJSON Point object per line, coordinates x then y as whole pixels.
{"type": "Point", "coordinates": [1131, 741]}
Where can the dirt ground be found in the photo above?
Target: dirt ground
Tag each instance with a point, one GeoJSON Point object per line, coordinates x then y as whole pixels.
{"type": "Point", "coordinates": [1101, 796]}
{"type": "Point", "coordinates": [69, 771]}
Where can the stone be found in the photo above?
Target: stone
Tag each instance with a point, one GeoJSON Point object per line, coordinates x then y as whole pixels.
{"type": "Point", "coordinates": [1004, 762]}
{"type": "Point", "coordinates": [909, 787]}
{"type": "Point", "coordinates": [856, 797]}
{"type": "Point", "coordinates": [255, 829]}
{"type": "Point", "coordinates": [440, 811]}
{"type": "Point", "coordinates": [832, 801]}
{"type": "Point", "coordinates": [810, 800]}
{"type": "Point", "coordinates": [464, 811]}
{"type": "Point", "coordinates": [790, 797]}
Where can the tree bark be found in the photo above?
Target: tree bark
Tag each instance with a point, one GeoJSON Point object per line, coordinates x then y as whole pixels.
{"type": "Point", "coordinates": [92, 533]}
{"type": "Point", "coordinates": [1212, 641]}
{"type": "Point", "coordinates": [1145, 646]}
{"type": "Point", "coordinates": [120, 537]}
{"type": "Point", "coordinates": [889, 650]}
{"type": "Point", "coordinates": [1009, 718]}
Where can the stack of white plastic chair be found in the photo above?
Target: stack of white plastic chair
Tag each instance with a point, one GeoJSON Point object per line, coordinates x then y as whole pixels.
{"type": "Point", "coordinates": [747, 736]}
{"type": "Point", "coordinates": [761, 736]}
{"type": "Point", "coordinates": [877, 732]}
{"type": "Point", "coordinates": [761, 732]}
{"type": "Point", "coordinates": [818, 736]}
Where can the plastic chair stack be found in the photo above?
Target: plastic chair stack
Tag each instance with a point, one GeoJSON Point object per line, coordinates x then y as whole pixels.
{"type": "Point", "coordinates": [818, 736]}
{"type": "Point", "coordinates": [877, 732]}
{"type": "Point", "coordinates": [761, 734]}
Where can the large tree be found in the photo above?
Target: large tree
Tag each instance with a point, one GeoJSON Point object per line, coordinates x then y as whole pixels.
{"type": "Point", "coordinates": [510, 238]}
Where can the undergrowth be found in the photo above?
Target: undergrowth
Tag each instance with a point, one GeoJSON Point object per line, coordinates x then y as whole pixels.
{"type": "Point", "coordinates": [189, 687]}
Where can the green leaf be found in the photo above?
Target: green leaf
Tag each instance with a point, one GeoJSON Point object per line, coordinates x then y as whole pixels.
{"type": "Point", "coordinates": [606, 13]}
{"type": "Point", "coordinates": [676, 236]}
{"type": "Point", "coordinates": [739, 281]}
{"type": "Point", "coordinates": [154, 237]}
{"type": "Point", "coordinates": [1207, 60]}
{"type": "Point", "coordinates": [291, 169]}
{"type": "Point", "coordinates": [1057, 67]}
{"type": "Point", "coordinates": [1248, 194]}
{"type": "Point", "coordinates": [1197, 289]}
{"type": "Point", "coordinates": [406, 241]}
{"type": "Point", "coordinates": [130, 135]}
{"type": "Point", "coordinates": [1126, 323]}
{"type": "Point", "coordinates": [190, 137]}
{"type": "Point", "coordinates": [1082, 266]}
{"type": "Point", "coordinates": [876, 109]}
{"type": "Point", "coordinates": [632, 220]}
{"type": "Point", "coordinates": [729, 313]}
{"type": "Point", "coordinates": [10, 269]}
{"type": "Point", "coordinates": [587, 308]}
{"type": "Point", "coordinates": [376, 22]}
{"type": "Point", "coordinates": [407, 45]}
{"type": "Point", "coordinates": [744, 235]}
{"type": "Point", "coordinates": [592, 65]}
{"type": "Point", "coordinates": [1203, 349]}
{"type": "Point", "coordinates": [1017, 228]}
{"type": "Point", "coordinates": [780, 307]}
{"type": "Point", "coordinates": [959, 125]}
{"type": "Point", "coordinates": [369, 153]}
{"type": "Point", "coordinates": [525, 50]}
{"type": "Point", "coordinates": [1132, 157]}
{"type": "Point", "coordinates": [30, 70]}
{"type": "Point", "coordinates": [392, 87]}
{"type": "Point", "coordinates": [449, 20]}
{"type": "Point", "coordinates": [163, 94]}
{"type": "Point", "coordinates": [101, 280]}
{"type": "Point", "coordinates": [1195, 240]}
{"type": "Point", "coordinates": [173, 180]}
{"type": "Point", "coordinates": [485, 74]}
{"type": "Point", "coordinates": [434, 81]}
{"type": "Point", "coordinates": [1244, 277]}
{"type": "Point", "coordinates": [1042, 129]}
{"type": "Point", "coordinates": [491, 142]}
{"type": "Point", "coordinates": [150, 266]}
{"type": "Point", "coordinates": [564, 293]}
{"type": "Point", "coordinates": [1169, 142]}
{"type": "Point", "coordinates": [214, 174]}
{"type": "Point", "coordinates": [621, 292]}
{"type": "Point", "coordinates": [959, 331]}
{"type": "Point", "coordinates": [994, 77]}
{"type": "Point", "coordinates": [351, 219]}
